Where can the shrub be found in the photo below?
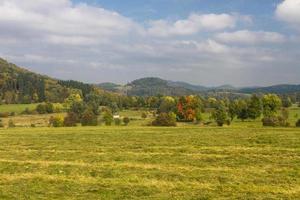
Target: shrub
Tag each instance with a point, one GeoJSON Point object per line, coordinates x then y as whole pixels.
{"type": "Point", "coordinates": [11, 124]}
{"type": "Point", "coordinates": [49, 108]}
{"type": "Point", "coordinates": [144, 115]}
{"type": "Point", "coordinates": [89, 118]}
{"type": "Point", "coordinates": [45, 108]}
{"type": "Point", "coordinates": [298, 123]}
{"type": "Point", "coordinates": [32, 125]}
{"type": "Point", "coordinates": [220, 115]}
{"type": "Point", "coordinates": [26, 111]}
{"type": "Point", "coordinates": [118, 122]}
{"type": "Point", "coordinates": [57, 108]}
{"type": "Point", "coordinates": [274, 121]}
{"type": "Point", "coordinates": [1, 124]}
{"type": "Point", "coordinates": [126, 120]}
{"type": "Point", "coordinates": [71, 119]}
{"type": "Point", "coordinates": [198, 117]}
{"type": "Point", "coordinates": [108, 117]}
{"type": "Point", "coordinates": [40, 108]}
{"type": "Point", "coordinates": [165, 119]}
{"type": "Point", "coordinates": [4, 115]}
{"type": "Point", "coordinates": [57, 121]}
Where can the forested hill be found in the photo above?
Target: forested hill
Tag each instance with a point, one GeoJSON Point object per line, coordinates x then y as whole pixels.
{"type": "Point", "coordinates": [18, 85]}
{"type": "Point", "coordinates": [155, 86]}
{"type": "Point", "coordinates": [278, 89]}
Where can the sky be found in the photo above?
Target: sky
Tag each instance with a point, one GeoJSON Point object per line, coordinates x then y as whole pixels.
{"type": "Point", "coordinates": [204, 42]}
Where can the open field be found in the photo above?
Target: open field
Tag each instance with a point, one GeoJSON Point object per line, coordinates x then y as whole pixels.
{"type": "Point", "coordinates": [134, 115]}
{"type": "Point", "coordinates": [149, 163]}
{"type": "Point", "coordinates": [17, 108]}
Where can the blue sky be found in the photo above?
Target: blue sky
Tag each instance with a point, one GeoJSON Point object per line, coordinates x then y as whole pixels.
{"type": "Point", "coordinates": [208, 42]}
{"type": "Point", "coordinates": [145, 10]}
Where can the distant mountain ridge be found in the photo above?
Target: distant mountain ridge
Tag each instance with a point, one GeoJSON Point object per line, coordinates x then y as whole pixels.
{"type": "Point", "coordinates": [18, 85]}
{"type": "Point", "coordinates": [154, 86]}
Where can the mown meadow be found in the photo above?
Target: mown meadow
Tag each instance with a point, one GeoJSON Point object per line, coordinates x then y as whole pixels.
{"type": "Point", "coordinates": [150, 163]}
{"type": "Point", "coordinates": [190, 161]}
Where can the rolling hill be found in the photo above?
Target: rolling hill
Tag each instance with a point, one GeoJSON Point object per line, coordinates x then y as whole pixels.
{"type": "Point", "coordinates": [18, 85]}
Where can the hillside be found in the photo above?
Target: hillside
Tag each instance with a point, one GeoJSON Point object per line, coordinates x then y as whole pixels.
{"type": "Point", "coordinates": [155, 86]}
{"type": "Point", "coordinates": [278, 89]}
{"type": "Point", "coordinates": [109, 86]}
{"type": "Point", "coordinates": [18, 85]}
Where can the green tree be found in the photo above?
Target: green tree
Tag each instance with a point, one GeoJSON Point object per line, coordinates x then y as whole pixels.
{"type": "Point", "coordinates": [198, 116]}
{"type": "Point", "coordinates": [165, 119]}
{"type": "Point", "coordinates": [108, 117]}
{"type": "Point", "coordinates": [254, 107]}
{"type": "Point", "coordinates": [167, 104]}
{"type": "Point", "coordinates": [126, 120]}
{"type": "Point", "coordinates": [220, 115]}
{"type": "Point", "coordinates": [71, 119]}
{"type": "Point", "coordinates": [242, 108]}
{"type": "Point", "coordinates": [286, 102]}
{"type": "Point", "coordinates": [88, 118]}
{"type": "Point", "coordinates": [233, 109]}
{"type": "Point", "coordinates": [271, 104]}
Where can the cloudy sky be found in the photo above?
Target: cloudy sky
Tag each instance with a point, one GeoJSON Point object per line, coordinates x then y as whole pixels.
{"type": "Point", "coordinates": [208, 42]}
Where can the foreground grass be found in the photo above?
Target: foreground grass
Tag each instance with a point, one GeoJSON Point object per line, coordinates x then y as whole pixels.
{"type": "Point", "coordinates": [150, 163]}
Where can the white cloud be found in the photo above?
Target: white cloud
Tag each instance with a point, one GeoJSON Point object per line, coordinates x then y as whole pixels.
{"type": "Point", "coordinates": [192, 25]}
{"type": "Point", "coordinates": [289, 11]}
{"type": "Point", "coordinates": [250, 37]}
{"type": "Point", "coordinates": [92, 44]}
{"type": "Point", "coordinates": [61, 21]}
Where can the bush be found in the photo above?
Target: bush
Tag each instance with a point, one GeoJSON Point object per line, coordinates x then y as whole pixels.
{"type": "Point", "coordinates": [26, 111]}
{"type": "Point", "coordinates": [274, 121]}
{"type": "Point", "coordinates": [40, 108]}
{"type": "Point", "coordinates": [57, 121]}
{"type": "Point", "coordinates": [57, 108]}
{"type": "Point", "coordinates": [4, 115]}
{"type": "Point", "coordinates": [108, 118]}
{"type": "Point", "coordinates": [89, 118]}
{"type": "Point", "coordinates": [198, 117]}
{"type": "Point", "coordinates": [32, 125]}
{"type": "Point", "coordinates": [49, 108]}
{"type": "Point", "coordinates": [1, 124]}
{"type": "Point", "coordinates": [298, 123]}
{"type": "Point", "coordinates": [144, 115]}
{"type": "Point", "coordinates": [71, 119]}
{"type": "Point", "coordinates": [118, 122]}
{"type": "Point", "coordinates": [45, 108]}
{"type": "Point", "coordinates": [11, 124]}
{"type": "Point", "coordinates": [220, 115]}
{"type": "Point", "coordinates": [126, 120]}
{"type": "Point", "coordinates": [165, 119]}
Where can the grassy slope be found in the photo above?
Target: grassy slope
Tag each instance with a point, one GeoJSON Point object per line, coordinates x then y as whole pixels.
{"type": "Point", "coordinates": [17, 108]}
{"type": "Point", "coordinates": [149, 163]}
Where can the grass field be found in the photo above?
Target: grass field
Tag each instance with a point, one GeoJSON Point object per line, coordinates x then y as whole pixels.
{"type": "Point", "coordinates": [134, 115]}
{"type": "Point", "coordinates": [150, 163]}
{"type": "Point", "coordinates": [17, 108]}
